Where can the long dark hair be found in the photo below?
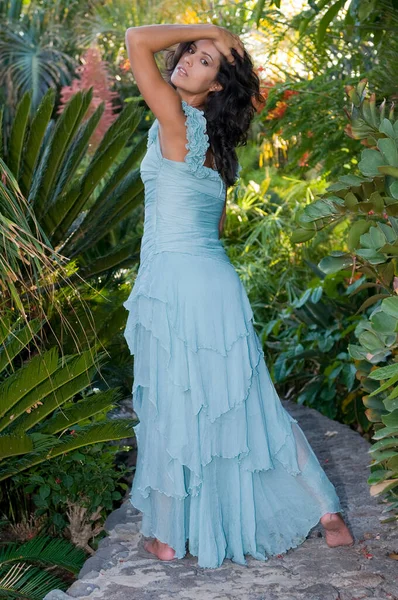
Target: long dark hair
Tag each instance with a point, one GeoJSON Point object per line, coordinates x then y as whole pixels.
{"type": "Point", "coordinates": [229, 111]}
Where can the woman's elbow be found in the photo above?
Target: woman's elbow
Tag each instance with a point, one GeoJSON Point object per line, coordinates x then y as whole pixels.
{"type": "Point", "coordinates": [131, 35]}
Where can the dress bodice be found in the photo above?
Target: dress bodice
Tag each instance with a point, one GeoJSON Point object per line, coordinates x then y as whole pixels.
{"type": "Point", "coordinates": [183, 199]}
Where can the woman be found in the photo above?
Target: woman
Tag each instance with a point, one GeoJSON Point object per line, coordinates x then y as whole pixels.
{"type": "Point", "coordinates": [222, 468]}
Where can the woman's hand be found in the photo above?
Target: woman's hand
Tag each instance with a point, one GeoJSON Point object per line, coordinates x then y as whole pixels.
{"type": "Point", "coordinates": [225, 40]}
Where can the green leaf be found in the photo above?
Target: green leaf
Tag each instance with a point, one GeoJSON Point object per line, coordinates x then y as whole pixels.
{"type": "Point", "coordinates": [351, 201]}
{"type": "Point", "coordinates": [388, 148]}
{"type": "Point", "coordinates": [327, 19]}
{"type": "Point", "coordinates": [301, 235]}
{"type": "Point", "coordinates": [370, 341]}
{"type": "Point", "coordinates": [389, 442]}
{"type": "Point", "coordinates": [391, 419]}
{"type": "Point", "coordinates": [387, 170]}
{"type": "Point", "coordinates": [370, 161]}
{"type": "Point", "coordinates": [12, 445]}
{"type": "Point", "coordinates": [23, 381]}
{"type": "Point", "coordinates": [81, 410]}
{"type": "Point", "coordinates": [390, 306]}
{"type": "Point", "coordinates": [258, 11]}
{"type": "Point", "coordinates": [383, 323]}
{"type": "Point", "coordinates": [17, 135]}
{"type": "Point", "coordinates": [116, 429]}
{"type": "Point", "coordinates": [56, 148]}
{"type": "Point", "coordinates": [387, 127]}
{"type": "Point", "coordinates": [392, 186]}
{"type": "Point", "coordinates": [46, 550]}
{"type": "Point", "coordinates": [384, 432]}
{"type": "Point", "coordinates": [384, 372]}
{"type": "Point", "coordinates": [35, 138]}
{"type": "Point", "coordinates": [333, 264]}
{"type": "Point", "coordinates": [16, 339]}
{"type": "Point", "coordinates": [373, 239]}
{"type": "Point", "coordinates": [28, 582]}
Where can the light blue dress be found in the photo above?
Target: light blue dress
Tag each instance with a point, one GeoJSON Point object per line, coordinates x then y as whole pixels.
{"type": "Point", "coordinates": [220, 461]}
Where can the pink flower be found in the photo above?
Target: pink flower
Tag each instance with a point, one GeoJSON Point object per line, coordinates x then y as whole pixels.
{"type": "Point", "coordinates": [93, 73]}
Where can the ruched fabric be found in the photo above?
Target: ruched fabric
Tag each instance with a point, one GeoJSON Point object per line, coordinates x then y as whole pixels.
{"type": "Point", "coordinates": [220, 462]}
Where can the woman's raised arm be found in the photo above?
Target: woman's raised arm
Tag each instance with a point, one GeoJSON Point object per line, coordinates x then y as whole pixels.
{"type": "Point", "coordinates": [142, 43]}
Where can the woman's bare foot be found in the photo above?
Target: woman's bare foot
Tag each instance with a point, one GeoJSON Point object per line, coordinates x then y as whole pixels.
{"type": "Point", "coordinates": [336, 531]}
{"type": "Point", "coordinates": [161, 550]}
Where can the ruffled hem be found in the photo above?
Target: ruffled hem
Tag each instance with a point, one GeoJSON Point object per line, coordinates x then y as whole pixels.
{"type": "Point", "coordinates": [249, 517]}
{"type": "Point", "coordinates": [211, 425]}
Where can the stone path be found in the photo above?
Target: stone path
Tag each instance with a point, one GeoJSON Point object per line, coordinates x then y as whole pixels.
{"type": "Point", "coordinates": [122, 570]}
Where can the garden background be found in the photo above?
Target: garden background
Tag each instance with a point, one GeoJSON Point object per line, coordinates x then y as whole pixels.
{"type": "Point", "coordinates": [311, 228]}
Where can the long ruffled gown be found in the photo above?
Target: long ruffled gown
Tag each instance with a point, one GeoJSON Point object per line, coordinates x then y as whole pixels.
{"type": "Point", "coordinates": [220, 462]}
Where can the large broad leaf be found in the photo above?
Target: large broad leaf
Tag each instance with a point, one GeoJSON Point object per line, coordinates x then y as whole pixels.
{"type": "Point", "coordinates": [391, 420]}
{"type": "Point", "coordinates": [390, 306]}
{"type": "Point", "coordinates": [387, 127]}
{"type": "Point", "coordinates": [385, 373]}
{"type": "Point", "coordinates": [374, 238]}
{"type": "Point", "coordinates": [301, 235]}
{"type": "Point", "coordinates": [370, 341]}
{"type": "Point", "coordinates": [333, 264]}
{"type": "Point", "coordinates": [388, 148]}
{"type": "Point", "coordinates": [356, 230]}
{"type": "Point", "coordinates": [384, 323]}
{"type": "Point", "coordinates": [370, 161]}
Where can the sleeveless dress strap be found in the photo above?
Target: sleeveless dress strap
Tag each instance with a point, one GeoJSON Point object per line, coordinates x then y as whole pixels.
{"type": "Point", "coordinates": [152, 132]}
{"type": "Point", "coordinates": [198, 142]}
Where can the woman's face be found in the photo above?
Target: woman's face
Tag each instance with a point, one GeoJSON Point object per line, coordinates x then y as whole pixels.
{"type": "Point", "coordinates": [201, 63]}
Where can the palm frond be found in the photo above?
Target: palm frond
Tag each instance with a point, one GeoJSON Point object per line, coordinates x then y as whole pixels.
{"type": "Point", "coordinates": [35, 138]}
{"type": "Point", "coordinates": [13, 445]}
{"type": "Point", "coordinates": [63, 134]}
{"type": "Point", "coordinates": [23, 381]}
{"type": "Point", "coordinates": [117, 429]}
{"type": "Point", "coordinates": [27, 582]}
{"type": "Point", "coordinates": [81, 410]}
{"type": "Point", "coordinates": [14, 340]}
{"type": "Point", "coordinates": [44, 551]}
{"type": "Point", "coordinates": [18, 132]}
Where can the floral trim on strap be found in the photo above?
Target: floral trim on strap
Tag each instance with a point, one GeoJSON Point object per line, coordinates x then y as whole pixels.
{"type": "Point", "coordinates": [198, 142]}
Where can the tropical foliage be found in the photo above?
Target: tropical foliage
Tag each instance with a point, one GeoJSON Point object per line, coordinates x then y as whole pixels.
{"type": "Point", "coordinates": [370, 201]}
{"type": "Point", "coordinates": [72, 136]}
{"type": "Point", "coordinates": [23, 567]}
